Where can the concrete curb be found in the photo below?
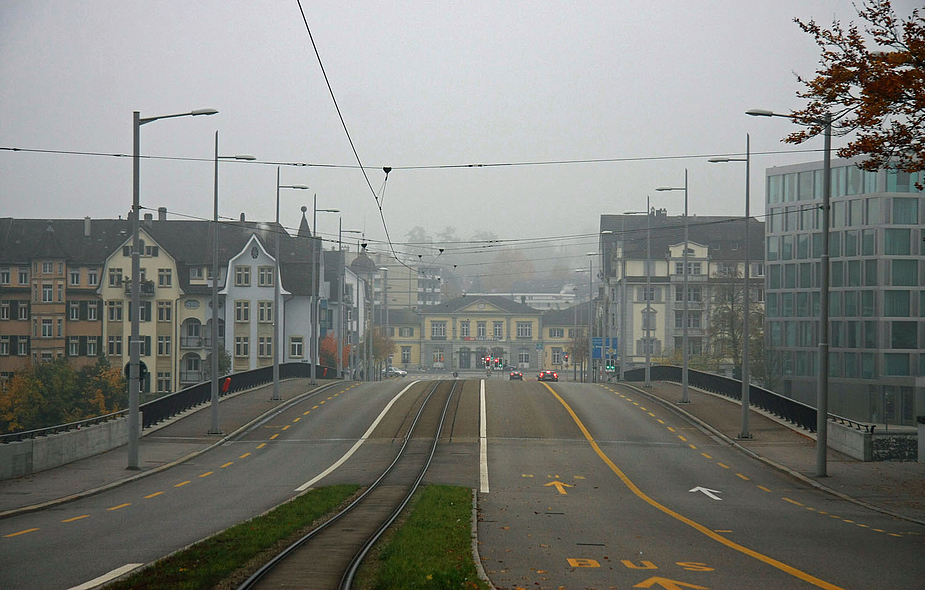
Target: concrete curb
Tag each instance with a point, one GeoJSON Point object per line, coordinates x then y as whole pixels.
{"type": "Point", "coordinates": [164, 467]}
{"type": "Point", "coordinates": [475, 542]}
{"type": "Point", "coordinates": [807, 480]}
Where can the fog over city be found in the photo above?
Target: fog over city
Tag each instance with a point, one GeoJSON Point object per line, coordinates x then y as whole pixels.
{"type": "Point", "coordinates": [522, 119]}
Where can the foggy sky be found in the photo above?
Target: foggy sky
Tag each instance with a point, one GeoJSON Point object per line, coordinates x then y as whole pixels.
{"type": "Point", "coordinates": [419, 84]}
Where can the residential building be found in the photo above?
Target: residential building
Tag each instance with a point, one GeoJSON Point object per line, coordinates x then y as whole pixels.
{"type": "Point", "coordinates": [876, 288]}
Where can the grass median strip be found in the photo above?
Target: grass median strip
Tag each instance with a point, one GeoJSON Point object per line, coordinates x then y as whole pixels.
{"type": "Point", "coordinates": [431, 546]}
{"type": "Point", "coordinates": [226, 559]}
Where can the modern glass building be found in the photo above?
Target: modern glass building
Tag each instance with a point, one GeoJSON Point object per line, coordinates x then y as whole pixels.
{"type": "Point", "coordinates": [876, 288]}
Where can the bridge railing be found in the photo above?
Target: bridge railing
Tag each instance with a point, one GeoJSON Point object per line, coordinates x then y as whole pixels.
{"type": "Point", "coordinates": [170, 405]}
{"type": "Point", "coordinates": [784, 407]}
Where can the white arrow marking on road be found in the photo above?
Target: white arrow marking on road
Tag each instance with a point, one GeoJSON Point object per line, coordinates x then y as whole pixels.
{"type": "Point", "coordinates": [708, 492]}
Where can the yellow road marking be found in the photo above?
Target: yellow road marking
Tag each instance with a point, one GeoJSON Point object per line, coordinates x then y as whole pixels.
{"type": "Point", "coordinates": [181, 484]}
{"type": "Point", "coordinates": [306, 412]}
{"type": "Point", "coordinates": [739, 475]}
{"type": "Point", "coordinates": [261, 445]}
{"type": "Point", "coordinates": [707, 456]}
{"type": "Point", "coordinates": [286, 427]}
{"type": "Point", "coordinates": [670, 429]}
{"type": "Point", "coordinates": [207, 474]}
{"type": "Point", "coordinates": [643, 409]}
{"type": "Point", "coordinates": [660, 421]}
{"type": "Point", "coordinates": [297, 419]}
{"type": "Point", "coordinates": [692, 446]}
{"type": "Point", "coordinates": [244, 455]}
{"type": "Point", "coordinates": [76, 518]}
{"type": "Point", "coordinates": [274, 436]}
{"type": "Point", "coordinates": [227, 464]}
{"type": "Point", "coordinates": [764, 489]}
{"type": "Point", "coordinates": [321, 402]}
{"type": "Point", "coordinates": [786, 499]}
{"type": "Point", "coordinates": [19, 533]}
{"type": "Point", "coordinates": [314, 407]}
{"type": "Point", "coordinates": [880, 530]}
{"type": "Point", "coordinates": [682, 438]}
{"type": "Point", "coordinates": [119, 506]}
{"type": "Point", "coordinates": [677, 516]}
{"type": "Point", "coordinates": [651, 414]}
{"type": "Point", "coordinates": [723, 465]}
{"type": "Point", "coordinates": [149, 496]}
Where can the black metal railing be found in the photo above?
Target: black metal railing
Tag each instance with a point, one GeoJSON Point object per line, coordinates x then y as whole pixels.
{"type": "Point", "coordinates": [174, 403]}
{"type": "Point", "coordinates": [786, 408]}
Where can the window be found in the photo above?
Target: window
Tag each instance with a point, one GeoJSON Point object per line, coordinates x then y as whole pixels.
{"type": "Point", "coordinates": [115, 310]}
{"type": "Point", "coordinates": [265, 346]}
{"type": "Point", "coordinates": [165, 311]}
{"type": "Point", "coordinates": [4, 346]}
{"type": "Point", "coordinates": [93, 277]}
{"type": "Point", "coordinates": [556, 332]}
{"type": "Point", "coordinates": [895, 364]}
{"type": "Point", "coordinates": [60, 292]}
{"type": "Point", "coordinates": [4, 276]}
{"type": "Point", "coordinates": [405, 354]}
{"type": "Point", "coordinates": [164, 277]}
{"type": "Point", "coordinates": [151, 251]}
{"type": "Point", "coordinates": [464, 329]}
{"type": "Point", "coordinates": [73, 346]}
{"type": "Point", "coordinates": [648, 319]}
{"type": "Point", "coordinates": [242, 311]}
{"type": "Point", "coordinates": [438, 355]}
{"type": "Point", "coordinates": [905, 211]}
{"type": "Point", "coordinates": [242, 276]}
{"type": "Point", "coordinates": [265, 311]}
{"type": "Point", "coordinates": [481, 330]}
{"type": "Point", "coordinates": [115, 346]}
{"type": "Point", "coordinates": [896, 304]}
{"type": "Point", "coordinates": [22, 347]}
{"type": "Point", "coordinates": [523, 356]}
{"type": "Point", "coordinates": [905, 273]}
{"type": "Point", "coordinates": [47, 294]}
{"type": "Point", "coordinates": [93, 310]}
{"type": "Point", "coordinates": [498, 330]}
{"type": "Point", "coordinates": [525, 329]}
{"type": "Point", "coordinates": [60, 324]}
{"type": "Point", "coordinates": [23, 277]}
{"type": "Point", "coordinates": [23, 310]}
{"type": "Point", "coordinates": [91, 346]}
{"type": "Point", "coordinates": [163, 345]}
{"type": "Point", "coordinates": [896, 241]}
{"type": "Point", "coordinates": [295, 346]}
{"type": "Point", "coordinates": [48, 268]}
{"type": "Point", "coordinates": [4, 310]}
{"type": "Point", "coordinates": [241, 346]}
{"type": "Point", "coordinates": [904, 335]}
{"type": "Point", "coordinates": [47, 329]}
{"type": "Point", "coordinates": [438, 330]}
{"type": "Point", "coordinates": [163, 382]}
{"type": "Point", "coordinates": [265, 276]}
{"type": "Point", "coordinates": [74, 274]}
{"type": "Point", "coordinates": [195, 273]}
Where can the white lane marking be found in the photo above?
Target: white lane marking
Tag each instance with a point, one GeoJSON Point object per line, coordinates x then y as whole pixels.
{"type": "Point", "coordinates": [708, 492]}
{"type": "Point", "coordinates": [356, 445]}
{"type": "Point", "coordinates": [483, 442]}
{"type": "Point", "coordinates": [107, 577]}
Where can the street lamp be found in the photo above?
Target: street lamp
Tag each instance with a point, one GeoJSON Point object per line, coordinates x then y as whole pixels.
{"type": "Point", "coordinates": [590, 309]}
{"type": "Point", "coordinates": [746, 384]}
{"type": "Point", "coordinates": [277, 279]}
{"type": "Point", "coordinates": [685, 395]}
{"type": "Point", "coordinates": [134, 388]}
{"type": "Point", "coordinates": [822, 391]}
{"type": "Point", "coordinates": [316, 286]}
{"type": "Point", "coordinates": [215, 428]}
{"type": "Point", "coordinates": [648, 297]}
{"type": "Point", "coordinates": [606, 333]}
{"type": "Point", "coordinates": [623, 336]}
{"type": "Point", "coordinates": [341, 279]}
{"type": "Point", "coordinates": [385, 299]}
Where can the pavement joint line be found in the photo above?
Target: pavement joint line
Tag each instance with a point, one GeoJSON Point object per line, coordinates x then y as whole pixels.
{"type": "Point", "coordinates": [796, 474]}
{"type": "Point", "coordinates": [164, 467]}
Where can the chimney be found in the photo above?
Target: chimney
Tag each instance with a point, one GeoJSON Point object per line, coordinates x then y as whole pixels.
{"type": "Point", "coordinates": [162, 213]}
{"type": "Point", "coordinates": [242, 217]}
{"type": "Point", "coordinates": [148, 219]}
{"type": "Point", "coordinates": [87, 227]}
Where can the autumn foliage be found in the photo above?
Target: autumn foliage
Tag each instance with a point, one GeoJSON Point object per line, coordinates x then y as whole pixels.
{"type": "Point", "coordinates": [876, 91]}
{"type": "Point", "coordinates": [328, 349]}
{"type": "Point", "coordinates": [54, 393]}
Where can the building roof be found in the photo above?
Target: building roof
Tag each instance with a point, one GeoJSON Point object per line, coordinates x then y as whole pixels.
{"type": "Point", "coordinates": [459, 303]}
{"type": "Point", "coordinates": [21, 240]}
{"type": "Point", "coordinates": [577, 314]}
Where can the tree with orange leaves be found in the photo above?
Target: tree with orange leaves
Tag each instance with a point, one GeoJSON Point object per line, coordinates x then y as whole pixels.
{"type": "Point", "coordinates": [876, 92]}
{"type": "Point", "coordinates": [327, 351]}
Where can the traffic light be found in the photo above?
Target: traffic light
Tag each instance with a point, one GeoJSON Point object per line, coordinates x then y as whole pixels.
{"type": "Point", "coordinates": [566, 359]}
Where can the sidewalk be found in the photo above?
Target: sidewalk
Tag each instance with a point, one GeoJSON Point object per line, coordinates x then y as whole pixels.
{"type": "Point", "coordinates": [895, 488]}
{"type": "Point", "coordinates": [179, 439]}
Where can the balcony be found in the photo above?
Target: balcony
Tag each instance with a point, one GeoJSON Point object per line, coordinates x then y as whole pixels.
{"type": "Point", "coordinates": [146, 288]}
{"type": "Point", "coordinates": [191, 342]}
{"type": "Point", "coordinates": [190, 376]}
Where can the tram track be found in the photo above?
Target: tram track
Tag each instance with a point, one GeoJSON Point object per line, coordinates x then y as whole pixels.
{"type": "Point", "coordinates": [330, 555]}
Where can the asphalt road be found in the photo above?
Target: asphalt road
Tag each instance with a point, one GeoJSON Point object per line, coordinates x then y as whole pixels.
{"type": "Point", "coordinates": [594, 487]}
{"type": "Point", "coordinates": [585, 486]}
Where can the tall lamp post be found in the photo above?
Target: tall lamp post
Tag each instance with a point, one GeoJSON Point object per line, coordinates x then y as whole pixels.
{"type": "Point", "coordinates": [277, 280]}
{"type": "Point", "coordinates": [316, 286]}
{"type": "Point", "coordinates": [341, 279]}
{"type": "Point", "coordinates": [746, 383]}
{"type": "Point", "coordinates": [822, 386]}
{"type": "Point", "coordinates": [623, 334]}
{"type": "Point", "coordinates": [648, 298]}
{"type": "Point", "coordinates": [685, 394]}
{"type": "Point", "coordinates": [591, 309]}
{"type": "Point", "coordinates": [385, 299]}
{"type": "Point", "coordinates": [215, 428]}
{"type": "Point", "coordinates": [606, 327]}
{"type": "Point", "coordinates": [134, 368]}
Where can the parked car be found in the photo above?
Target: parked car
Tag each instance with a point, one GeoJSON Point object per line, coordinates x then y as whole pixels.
{"type": "Point", "coordinates": [548, 376]}
{"type": "Point", "coordinates": [517, 375]}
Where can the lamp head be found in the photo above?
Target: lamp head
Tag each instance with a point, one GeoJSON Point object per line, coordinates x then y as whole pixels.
{"type": "Point", "coordinates": [759, 113]}
{"type": "Point", "coordinates": [198, 112]}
